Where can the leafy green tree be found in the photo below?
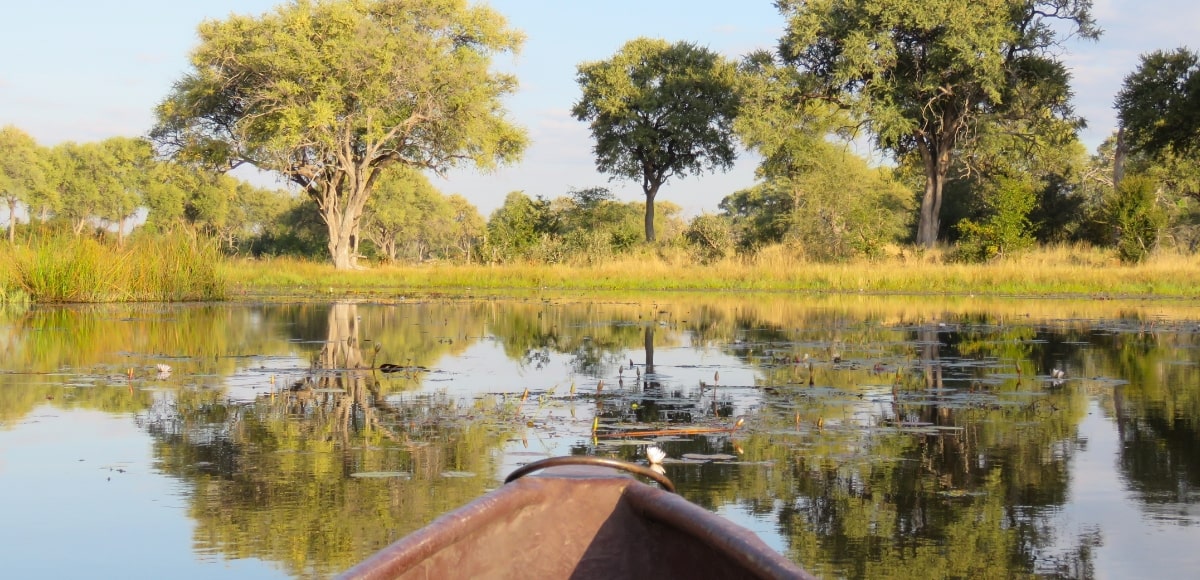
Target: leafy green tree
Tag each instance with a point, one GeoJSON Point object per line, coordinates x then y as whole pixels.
{"type": "Point", "coordinates": [82, 175]}
{"type": "Point", "coordinates": [658, 110]}
{"type": "Point", "coordinates": [515, 227]}
{"type": "Point", "coordinates": [759, 215]}
{"type": "Point", "coordinates": [330, 93]}
{"type": "Point", "coordinates": [21, 173]}
{"type": "Point", "coordinates": [925, 76]}
{"type": "Point", "coordinates": [814, 192]}
{"type": "Point", "coordinates": [1159, 103]}
{"type": "Point", "coordinates": [129, 162]}
{"type": "Point", "coordinates": [406, 209]}
{"type": "Point", "coordinates": [467, 227]}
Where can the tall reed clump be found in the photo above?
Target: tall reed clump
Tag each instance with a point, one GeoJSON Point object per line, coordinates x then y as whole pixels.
{"type": "Point", "coordinates": [172, 268]}
{"type": "Point", "coordinates": [82, 269]}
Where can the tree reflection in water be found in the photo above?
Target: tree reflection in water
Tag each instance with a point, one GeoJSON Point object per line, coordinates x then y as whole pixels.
{"type": "Point", "coordinates": [884, 438]}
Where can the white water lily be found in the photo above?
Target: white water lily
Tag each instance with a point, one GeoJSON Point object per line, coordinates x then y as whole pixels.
{"type": "Point", "coordinates": [655, 455]}
{"type": "Point", "coordinates": [164, 370]}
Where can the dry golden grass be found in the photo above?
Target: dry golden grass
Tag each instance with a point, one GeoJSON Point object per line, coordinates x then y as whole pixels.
{"type": "Point", "coordinates": [1053, 271]}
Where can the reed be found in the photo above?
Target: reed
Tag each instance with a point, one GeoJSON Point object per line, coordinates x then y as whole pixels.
{"type": "Point", "coordinates": [64, 268]}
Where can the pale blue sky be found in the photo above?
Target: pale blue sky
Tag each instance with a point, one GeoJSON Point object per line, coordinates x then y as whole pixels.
{"type": "Point", "coordinates": [87, 70]}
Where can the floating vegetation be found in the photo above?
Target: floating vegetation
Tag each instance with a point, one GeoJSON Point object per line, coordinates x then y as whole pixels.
{"type": "Point", "coordinates": [382, 474]}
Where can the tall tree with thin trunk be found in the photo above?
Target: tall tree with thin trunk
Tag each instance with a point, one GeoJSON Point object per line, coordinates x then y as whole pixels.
{"type": "Point", "coordinates": [329, 93]}
{"type": "Point", "coordinates": [658, 110]}
{"type": "Point", "coordinates": [21, 175]}
{"type": "Point", "coordinates": [923, 76]}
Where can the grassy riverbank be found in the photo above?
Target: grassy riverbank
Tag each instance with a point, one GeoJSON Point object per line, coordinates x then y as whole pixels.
{"type": "Point", "coordinates": [177, 269]}
{"type": "Point", "coordinates": [1063, 271]}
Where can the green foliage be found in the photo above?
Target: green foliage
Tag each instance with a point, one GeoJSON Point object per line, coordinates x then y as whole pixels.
{"type": "Point", "coordinates": [516, 227]}
{"type": "Point", "coordinates": [1135, 218]}
{"type": "Point", "coordinates": [658, 110]}
{"type": "Point", "coordinates": [815, 194]}
{"type": "Point", "coordinates": [759, 215]}
{"type": "Point", "coordinates": [22, 179]}
{"type": "Point", "coordinates": [925, 76]}
{"type": "Point", "coordinates": [1006, 229]}
{"type": "Point", "coordinates": [330, 93]}
{"type": "Point", "coordinates": [825, 200]}
{"type": "Point", "coordinates": [710, 238]}
{"type": "Point", "coordinates": [293, 229]}
{"type": "Point", "coordinates": [1159, 103]}
{"type": "Point", "coordinates": [154, 268]}
{"type": "Point", "coordinates": [407, 218]}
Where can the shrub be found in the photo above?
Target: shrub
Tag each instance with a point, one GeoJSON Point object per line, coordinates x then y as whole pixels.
{"type": "Point", "coordinates": [710, 238]}
{"type": "Point", "coordinates": [1135, 217]}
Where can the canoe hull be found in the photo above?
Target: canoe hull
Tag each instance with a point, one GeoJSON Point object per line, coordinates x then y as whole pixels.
{"type": "Point", "coordinates": [578, 522]}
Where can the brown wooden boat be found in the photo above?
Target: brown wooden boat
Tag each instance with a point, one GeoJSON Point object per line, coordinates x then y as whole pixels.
{"type": "Point", "coordinates": [579, 518]}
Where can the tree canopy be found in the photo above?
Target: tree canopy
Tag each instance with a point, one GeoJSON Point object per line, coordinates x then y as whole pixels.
{"type": "Point", "coordinates": [924, 77]}
{"type": "Point", "coordinates": [330, 92]}
{"type": "Point", "coordinates": [21, 175]}
{"type": "Point", "coordinates": [1159, 103]}
{"type": "Point", "coordinates": [658, 110]}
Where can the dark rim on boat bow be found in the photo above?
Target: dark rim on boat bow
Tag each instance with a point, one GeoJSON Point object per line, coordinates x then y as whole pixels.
{"type": "Point", "coordinates": [633, 468]}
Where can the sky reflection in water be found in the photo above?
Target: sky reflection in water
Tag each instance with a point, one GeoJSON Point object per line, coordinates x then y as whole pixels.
{"type": "Point", "coordinates": [937, 442]}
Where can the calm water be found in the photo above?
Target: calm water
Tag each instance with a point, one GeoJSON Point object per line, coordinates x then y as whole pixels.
{"type": "Point", "coordinates": [883, 437]}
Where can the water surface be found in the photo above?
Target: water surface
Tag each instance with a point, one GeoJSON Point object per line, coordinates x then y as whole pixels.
{"type": "Point", "coordinates": [883, 437]}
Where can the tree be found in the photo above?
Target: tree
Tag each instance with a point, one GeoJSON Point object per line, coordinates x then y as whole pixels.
{"type": "Point", "coordinates": [467, 226]}
{"type": "Point", "coordinates": [406, 208]}
{"type": "Point", "coordinates": [329, 93]}
{"type": "Point", "coordinates": [514, 228]}
{"type": "Point", "coordinates": [814, 191]}
{"type": "Point", "coordinates": [925, 76]}
{"type": "Point", "coordinates": [128, 163]}
{"type": "Point", "coordinates": [81, 172]}
{"type": "Point", "coordinates": [1159, 104]}
{"type": "Point", "coordinates": [21, 175]}
{"type": "Point", "coordinates": [658, 110]}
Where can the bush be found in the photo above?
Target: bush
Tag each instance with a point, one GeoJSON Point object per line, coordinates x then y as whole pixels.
{"type": "Point", "coordinates": [1006, 229]}
{"type": "Point", "coordinates": [1136, 219]}
{"type": "Point", "coordinates": [710, 238]}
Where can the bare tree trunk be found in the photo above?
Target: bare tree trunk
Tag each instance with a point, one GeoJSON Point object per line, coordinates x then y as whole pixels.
{"type": "Point", "coordinates": [12, 221]}
{"type": "Point", "coordinates": [340, 246]}
{"type": "Point", "coordinates": [651, 190]}
{"type": "Point", "coordinates": [937, 164]}
{"type": "Point", "coordinates": [1119, 154]}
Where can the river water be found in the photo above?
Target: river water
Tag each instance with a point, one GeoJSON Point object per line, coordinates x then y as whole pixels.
{"type": "Point", "coordinates": [883, 437]}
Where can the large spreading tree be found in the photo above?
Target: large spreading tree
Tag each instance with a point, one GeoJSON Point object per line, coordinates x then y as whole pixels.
{"type": "Point", "coordinates": [328, 93]}
{"type": "Point", "coordinates": [658, 110]}
{"type": "Point", "coordinates": [925, 76]}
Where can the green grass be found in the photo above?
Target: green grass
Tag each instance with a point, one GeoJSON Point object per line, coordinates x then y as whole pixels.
{"type": "Point", "coordinates": [1050, 272]}
{"type": "Point", "coordinates": [68, 269]}
{"type": "Point", "coordinates": [64, 268]}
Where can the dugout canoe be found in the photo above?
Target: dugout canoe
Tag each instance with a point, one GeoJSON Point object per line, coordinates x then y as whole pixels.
{"type": "Point", "coordinates": [579, 518]}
